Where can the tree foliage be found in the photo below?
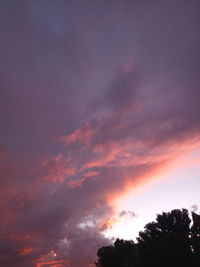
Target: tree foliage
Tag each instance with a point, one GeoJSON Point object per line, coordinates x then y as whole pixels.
{"type": "Point", "coordinates": [173, 240]}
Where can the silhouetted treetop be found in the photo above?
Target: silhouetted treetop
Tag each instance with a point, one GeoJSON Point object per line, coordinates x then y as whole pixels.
{"type": "Point", "coordinates": [172, 240]}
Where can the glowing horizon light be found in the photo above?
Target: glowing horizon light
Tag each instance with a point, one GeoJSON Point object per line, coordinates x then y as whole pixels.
{"type": "Point", "coordinates": [161, 194]}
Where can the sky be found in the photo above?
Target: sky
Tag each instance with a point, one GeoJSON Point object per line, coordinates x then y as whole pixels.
{"type": "Point", "coordinates": [99, 119]}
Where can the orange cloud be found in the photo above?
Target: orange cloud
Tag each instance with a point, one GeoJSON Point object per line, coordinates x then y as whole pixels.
{"type": "Point", "coordinates": [58, 169]}
{"type": "Point", "coordinates": [108, 223]}
{"type": "Point", "coordinates": [79, 182]}
{"type": "Point", "coordinates": [58, 263]}
{"type": "Point", "coordinates": [15, 237]}
{"type": "Point", "coordinates": [82, 135]}
{"type": "Point", "coordinates": [25, 251]}
{"type": "Point", "coordinates": [76, 183]}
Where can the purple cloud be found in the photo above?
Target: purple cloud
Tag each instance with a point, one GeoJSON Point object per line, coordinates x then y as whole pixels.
{"type": "Point", "coordinates": [94, 97]}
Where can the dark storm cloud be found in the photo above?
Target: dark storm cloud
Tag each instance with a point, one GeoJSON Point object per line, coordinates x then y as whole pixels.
{"type": "Point", "coordinates": [118, 84]}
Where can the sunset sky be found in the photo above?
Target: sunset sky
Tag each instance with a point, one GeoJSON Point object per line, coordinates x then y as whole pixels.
{"type": "Point", "coordinates": [99, 123]}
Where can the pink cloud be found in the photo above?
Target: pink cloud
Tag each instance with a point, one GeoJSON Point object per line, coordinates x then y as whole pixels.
{"type": "Point", "coordinates": [82, 135]}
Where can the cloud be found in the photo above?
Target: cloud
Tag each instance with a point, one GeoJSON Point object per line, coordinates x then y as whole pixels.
{"type": "Point", "coordinates": [194, 208]}
{"type": "Point", "coordinates": [89, 109]}
{"type": "Point", "coordinates": [127, 213]}
{"type": "Point", "coordinates": [82, 135]}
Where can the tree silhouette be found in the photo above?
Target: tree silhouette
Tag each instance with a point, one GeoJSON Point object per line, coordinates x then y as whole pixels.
{"type": "Point", "coordinates": [169, 241]}
{"type": "Point", "coordinates": [166, 242]}
{"type": "Point", "coordinates": [195, 237]}
{"type": "Point", "coordinates": [122, 253]}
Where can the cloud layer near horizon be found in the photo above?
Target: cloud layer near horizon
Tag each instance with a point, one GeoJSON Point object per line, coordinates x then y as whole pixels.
{"type": "Point", "coordinates": [95, 97]}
